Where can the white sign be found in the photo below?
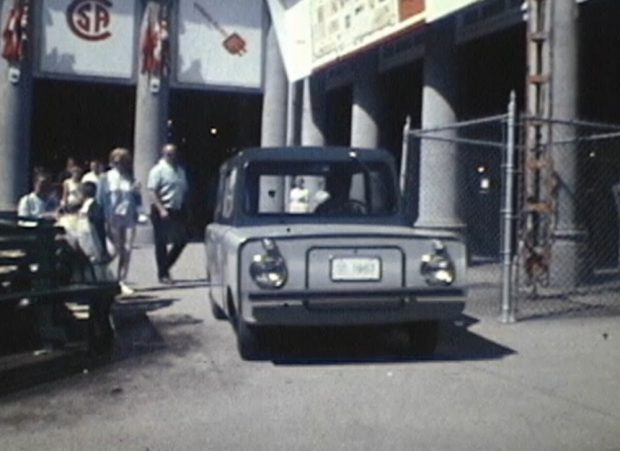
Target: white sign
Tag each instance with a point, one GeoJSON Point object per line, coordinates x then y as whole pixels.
{"type": "Point", "coordinates": [341, 28]}
{"type": "Point", "coordinates": [440, 8]}
{"type": "Point", "coordinates": [291, 19]}
{"type": "Point", "coordinates": [220, 43]}
{"type": "Point", "coordinates": [90, 38]}
{"type": "Point", "coordinates": [315, 33]}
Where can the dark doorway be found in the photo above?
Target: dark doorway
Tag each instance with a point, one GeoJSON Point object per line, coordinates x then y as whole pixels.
{"type": "Point", "coordinates": [338, 114]}
{"type": "Point", "coordinates": [402, 91]}
{"type": "Point", "coordinates": [489, 69]}
{"type": "Point", "coordinates": [209, 127]}
{"type": "Point", "coordinates": [82, 120]}
{"type": "Point", "coordinates": [402, 94]}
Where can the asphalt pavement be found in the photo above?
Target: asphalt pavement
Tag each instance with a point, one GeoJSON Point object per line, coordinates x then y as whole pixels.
{"type": "Point", "coordinates": [177, 382]}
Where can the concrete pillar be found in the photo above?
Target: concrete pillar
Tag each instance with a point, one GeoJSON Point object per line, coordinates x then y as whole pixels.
{"type": "Point", "coordinates": [366, 105]}
{"type": "Point", "coordinates": [439, 160]}
{"type": "Point", "coordinates": [151, 116]}
{"type": "Point", "coordinates": [313, 112]}
{"type": "Point", "coordinates": [274, 121]}
{"type": "Point", "coordinates": [568, 252]}
{"type": "Point", "coordinates": [15, 115]}
{"type": "Point", "coordinates": [275, 95]}
{"type": "Point", "coordinates": [293, 110]}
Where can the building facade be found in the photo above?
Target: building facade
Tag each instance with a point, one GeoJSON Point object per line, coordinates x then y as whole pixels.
{"type": "Point", "coordinates": [79, 77]}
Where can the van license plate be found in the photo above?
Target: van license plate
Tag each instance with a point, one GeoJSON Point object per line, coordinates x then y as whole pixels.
{"type": "Point", "coordinates": [355, 269]}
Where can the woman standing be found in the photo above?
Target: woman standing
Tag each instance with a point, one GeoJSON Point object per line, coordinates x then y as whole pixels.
{"type": "Point", "coordinates": [119, 194]}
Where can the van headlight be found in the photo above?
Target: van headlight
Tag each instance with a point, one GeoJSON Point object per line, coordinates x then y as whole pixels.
{"type": "Point", "coordinates": [437, 267]}
{"type": "Point", "coordinates": [268, 269]}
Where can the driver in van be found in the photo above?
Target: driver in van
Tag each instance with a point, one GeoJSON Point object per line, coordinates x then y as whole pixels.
{"type": "Point", "coordinates": [338, 186]}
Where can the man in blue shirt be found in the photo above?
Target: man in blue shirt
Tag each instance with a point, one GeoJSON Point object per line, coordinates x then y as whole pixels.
{"type": "Point", "coordinates": [167, 185]}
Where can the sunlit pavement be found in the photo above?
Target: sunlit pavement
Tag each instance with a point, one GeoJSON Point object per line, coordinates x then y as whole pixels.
{"type": "Point", "coordinates": [177, 382]}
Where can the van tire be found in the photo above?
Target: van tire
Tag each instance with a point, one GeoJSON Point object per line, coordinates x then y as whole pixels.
{"type": "Point", "coordinates": [217, 311]}
{"type": "Point", "coordinates": [248, 340]}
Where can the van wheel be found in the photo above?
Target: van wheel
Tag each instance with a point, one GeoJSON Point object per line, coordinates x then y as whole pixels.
{"type": "Point", "coordinates": [248, 340]}
{"type": "Point", "coordinates": [424, 336]}
{"type": "Point", "coordinates": [217, 311]}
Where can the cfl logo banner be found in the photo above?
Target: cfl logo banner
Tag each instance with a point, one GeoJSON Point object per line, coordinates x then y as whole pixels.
{"type": "Point", "coordinates": [90, 19]}
{"type": "Point", "coordinates": [88, 38]}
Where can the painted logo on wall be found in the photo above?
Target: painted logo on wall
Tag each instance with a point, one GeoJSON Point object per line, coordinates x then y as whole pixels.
{"type": "Point", "coordinates": [90, 19]}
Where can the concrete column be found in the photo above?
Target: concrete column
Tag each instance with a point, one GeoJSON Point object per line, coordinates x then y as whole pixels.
{"type": "Point", "coordinates": [366, 105]}
{"type": "Point", "coordinates": [274, 121]}
{"type": "Point", "coordinates": [439, 160]}
{"type": "Point", "coordinates": [15, 113]}
{"type": "Point", "coordinates": [292, 115]}
{"type": "Point", "coordinates": [151, 116]}
{"type": "Point", "coordinates": [313, 112]}
{"type": "Point", "coordinates": [275, 95]}
{"type": "Point", "coordinates": [568, 253]}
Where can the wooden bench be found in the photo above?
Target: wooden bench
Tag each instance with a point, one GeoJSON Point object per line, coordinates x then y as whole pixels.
{"type": "Point", "coordinates": [41, 272]}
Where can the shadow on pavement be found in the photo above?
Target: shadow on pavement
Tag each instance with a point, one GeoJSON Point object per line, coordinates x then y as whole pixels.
{"type": "Point", "coordinates": [177, 285]}
{"type": "Point", "coordinates": [356, 345]}
{"type": "Point", "coordinates": [135, 336]}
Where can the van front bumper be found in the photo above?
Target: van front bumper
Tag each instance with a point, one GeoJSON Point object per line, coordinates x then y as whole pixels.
{"type": "Point", "coordinates": [332, 308]}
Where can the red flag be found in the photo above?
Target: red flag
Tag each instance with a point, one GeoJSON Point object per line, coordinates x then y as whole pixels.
{"type": "Point", "coordinates": [148, 45]}
{"type": "Point", "coordinates": [11, 37]}
{"type": "Point", "coordinates": [15, 33]}
{"type": "Point", "coordinates": [23, 35]}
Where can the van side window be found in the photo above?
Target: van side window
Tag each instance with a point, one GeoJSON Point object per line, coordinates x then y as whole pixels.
{"type": "Point", "coordinates": [228, 196]}
{"type": "Point", "coordinates": [217, 213]}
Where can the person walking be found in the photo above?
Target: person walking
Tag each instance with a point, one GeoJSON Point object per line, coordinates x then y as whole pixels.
{"type": "Point", "coordinates": [167, 185]}
{"type": "Point", "coordinates": [119, 194]}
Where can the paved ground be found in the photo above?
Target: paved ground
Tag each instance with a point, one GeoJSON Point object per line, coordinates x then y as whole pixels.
{"type": "Point", "coordinates": [178, 383]}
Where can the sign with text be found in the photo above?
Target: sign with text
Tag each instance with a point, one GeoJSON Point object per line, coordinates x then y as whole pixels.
{"type": "Point", "coordinates": [220, 43]}
{"type": "Point", "coordinates": [315, 33]}
{"type": "Point", "coordinates": [88, 38]}
{"type": "Point", "coordinates": [343, 27]}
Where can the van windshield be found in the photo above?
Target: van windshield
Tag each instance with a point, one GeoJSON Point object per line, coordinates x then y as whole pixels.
{"type": "Point", "coordinates": [338, 188]}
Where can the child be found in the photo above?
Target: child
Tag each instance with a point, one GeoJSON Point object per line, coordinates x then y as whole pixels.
{"type": "Point", "coordinates": [71, 191]}
{"type": "Point", "coordinates": [91, 219]}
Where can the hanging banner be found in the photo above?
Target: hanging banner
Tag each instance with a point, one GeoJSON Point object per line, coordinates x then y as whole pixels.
{"type": "Point", "coordinates": [220, 43]}
{"type": "Point", "coordinates": [340, 28]}
{"type": "Point", "coordinates": [88, 38]}
{"type": "Point", "coordinates": [316, 33]}
{"type": "Point", "coordinates": [291, 20]}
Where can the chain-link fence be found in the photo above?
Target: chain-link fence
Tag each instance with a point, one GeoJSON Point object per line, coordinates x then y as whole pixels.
{"type": "Point", "coordinates": [540, 203]}
{"type": "Point", "coordinates": [475, 150]}
{"type": "Point", "coordinates": [567, 260]}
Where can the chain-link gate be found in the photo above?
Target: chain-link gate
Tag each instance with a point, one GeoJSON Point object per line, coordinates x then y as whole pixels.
{"type": "Point", "coordinates": [479, 147]}
{"type": "Point", "coordinates": [541, 221]}
{"type": "Point", "coordinates": [568, 259]}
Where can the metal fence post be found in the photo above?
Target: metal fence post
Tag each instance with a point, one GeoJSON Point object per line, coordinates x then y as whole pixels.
{"type": "Point", "coordinates": [404, 156]}
{"type": "Point", "coordinates": [507, 306]}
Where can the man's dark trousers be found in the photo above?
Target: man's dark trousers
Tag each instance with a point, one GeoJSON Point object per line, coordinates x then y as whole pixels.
{"type": "Point", "coordinates": [168, 230]}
